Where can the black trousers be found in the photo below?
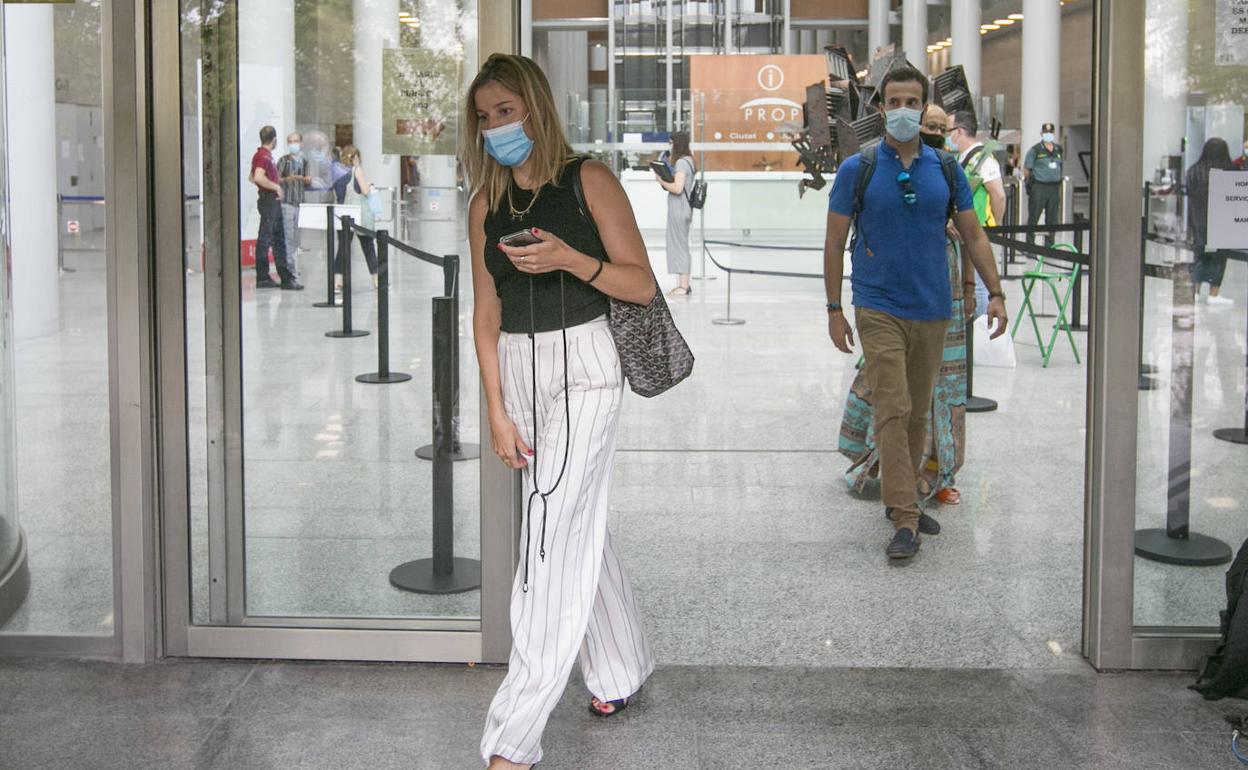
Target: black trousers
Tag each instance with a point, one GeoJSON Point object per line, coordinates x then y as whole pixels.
{"type": "Point", "coordinates": [272, 235]}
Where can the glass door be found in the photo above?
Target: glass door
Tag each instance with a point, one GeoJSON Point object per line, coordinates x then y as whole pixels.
{"type": "Point", "coordinates": [334, 497]}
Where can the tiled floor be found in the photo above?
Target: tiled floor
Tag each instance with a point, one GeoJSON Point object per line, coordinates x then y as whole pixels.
{"type": "Point", "coordinates": [742, 540]}
{"type": "Point", "coordinates": [66, 715]}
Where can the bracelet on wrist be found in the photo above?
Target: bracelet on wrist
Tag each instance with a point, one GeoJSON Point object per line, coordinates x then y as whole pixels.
{"type": "Point", "coordinates": [597, 271]}
{"type": "Point", "coordinates": [971, 284]}
{"type": "Point", "coordinates": [1000, 294]}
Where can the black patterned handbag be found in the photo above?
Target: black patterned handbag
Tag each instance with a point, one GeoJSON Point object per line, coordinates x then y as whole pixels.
{"type": "Point", "coordinates": [653, 354]}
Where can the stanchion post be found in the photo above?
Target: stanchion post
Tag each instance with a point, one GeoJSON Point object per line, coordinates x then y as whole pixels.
{"type": "Point", "coordinates": [444, 573]}
{"type": "Point", "coordinates": [383, 375]}
{"type": "Point", "coordinates": [329, 259]}
{"type": "Point", "coordinates": [1076, 310]}
{"type": "Point", "coordinates": [344, 244]}
{"type": "Point", "coordinates": [450, 288]}
{"type": "Point", "coordinates": [727, 320]}
{"type": "Point", "coordinates": [974, 403]}
{"type": "Point", "coordinates": [1176, 543]}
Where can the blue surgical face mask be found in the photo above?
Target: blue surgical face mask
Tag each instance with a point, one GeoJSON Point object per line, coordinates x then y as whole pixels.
{"type": "Point", "coordinates": [1048, 137]}
{"type": "Point", "coordinates": [293, 148]}
{"type": "Point", "coordinates": [950, 144]}
{"type": "Point", "coordinates": [508, 144]}
{"type": "Point", "coordinates": [902, 123]}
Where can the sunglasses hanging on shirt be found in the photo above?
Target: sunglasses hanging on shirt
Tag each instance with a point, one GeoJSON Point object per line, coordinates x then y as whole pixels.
{"type": "Point", "coordinates": [907, 188]}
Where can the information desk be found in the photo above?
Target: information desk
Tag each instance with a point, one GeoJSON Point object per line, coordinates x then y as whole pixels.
{"type": "Point", "coordinates": [735, 200]}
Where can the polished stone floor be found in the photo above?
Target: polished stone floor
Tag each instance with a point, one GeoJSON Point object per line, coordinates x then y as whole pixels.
{"type": "Point", "coordinates": [741, 538]}
{"type": "Point", "coordinates": [80, 715]}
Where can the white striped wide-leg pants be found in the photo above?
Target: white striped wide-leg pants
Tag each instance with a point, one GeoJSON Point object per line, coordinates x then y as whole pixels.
{"type": "Point", "coordinates": [578, 599]}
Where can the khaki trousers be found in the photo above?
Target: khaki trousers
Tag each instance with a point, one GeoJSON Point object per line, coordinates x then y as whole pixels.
{"type": "Point", "coordinates": [902, 361]}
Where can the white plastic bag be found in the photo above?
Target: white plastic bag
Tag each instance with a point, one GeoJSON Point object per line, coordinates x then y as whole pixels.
{"type": "Point", "coordinates": [990, 352]}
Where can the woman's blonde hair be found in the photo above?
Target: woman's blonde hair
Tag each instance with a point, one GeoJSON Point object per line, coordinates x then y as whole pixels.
{"type": "Point", "coordinates": [350, 155]}
{"type": "Point", "coordinates": [522, 77]}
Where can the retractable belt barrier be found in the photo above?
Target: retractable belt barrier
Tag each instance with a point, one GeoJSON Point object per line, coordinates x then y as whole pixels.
{"type": "Point", "coordinates": [1000, 235]}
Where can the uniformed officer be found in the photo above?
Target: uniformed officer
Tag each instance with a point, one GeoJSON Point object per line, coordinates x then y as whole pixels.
{"type": "Point", "coordinates": [1042, 171]}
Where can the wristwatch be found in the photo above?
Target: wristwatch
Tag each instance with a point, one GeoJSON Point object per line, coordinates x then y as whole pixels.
{"type": "Point", "coordinates": [1000, 294]}
{"type": "Point", "coordinates": [835, 306]}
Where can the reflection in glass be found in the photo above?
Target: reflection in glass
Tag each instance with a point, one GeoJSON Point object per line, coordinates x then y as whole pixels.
{"type": "Point", "coordinates": [1191, 492]}
{"type": "Point", "coordinates": [333, 495]}
{"type": "Point", "coordinates": [55, 161]}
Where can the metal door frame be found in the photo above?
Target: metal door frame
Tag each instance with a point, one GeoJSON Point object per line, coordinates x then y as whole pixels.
{"type": "Point", "coordinates": [260, 637]}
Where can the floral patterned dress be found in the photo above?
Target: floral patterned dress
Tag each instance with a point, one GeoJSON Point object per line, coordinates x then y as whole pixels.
{"type": "Point", "coordinates": [946, 425]}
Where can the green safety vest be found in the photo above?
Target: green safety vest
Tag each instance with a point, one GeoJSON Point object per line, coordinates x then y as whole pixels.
{"type": "Point", "coordinates": [979, 191]}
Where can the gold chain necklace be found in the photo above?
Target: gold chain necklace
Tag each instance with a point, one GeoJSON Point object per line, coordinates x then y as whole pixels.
{"type": "Point", "coordinates": [516, 214]}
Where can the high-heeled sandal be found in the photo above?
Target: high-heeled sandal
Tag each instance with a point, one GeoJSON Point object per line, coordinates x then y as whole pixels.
{"type": "Point", "coordinates": [616, 706]}
{"type": "Point", "coordinates": [949, 496]}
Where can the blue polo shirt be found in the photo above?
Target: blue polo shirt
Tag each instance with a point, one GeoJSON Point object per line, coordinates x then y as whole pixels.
{"type": "Point", "coordinates": [899, 263]}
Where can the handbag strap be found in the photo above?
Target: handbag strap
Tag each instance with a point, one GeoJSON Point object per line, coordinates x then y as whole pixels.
{"type": "Point", "coordinates": [578, 191]}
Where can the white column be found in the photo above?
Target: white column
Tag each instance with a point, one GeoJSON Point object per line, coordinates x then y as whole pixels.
{"type": "Point", "coordinates": [376, 27]}
{"type": "Point", "coordinates": [1165, 81]}
{"type": "Point", "coordinates": [878, 34]}
{"type": "Point", "coordinates": [964, 29]}
{"type": "Point", "coordinates": [526, 27]}
{"type": "Point", "coordinates": [1042, 51]}
{"type": "Point", "coordinates": [30, 71]}
{"type": "Point", "coordinates": [914, 32]}
{"type": "Point", "coordinates": [266, 89]}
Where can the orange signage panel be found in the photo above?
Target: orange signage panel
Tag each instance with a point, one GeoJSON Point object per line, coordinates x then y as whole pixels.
{"type": "Point", "coordinates": [751, 99]}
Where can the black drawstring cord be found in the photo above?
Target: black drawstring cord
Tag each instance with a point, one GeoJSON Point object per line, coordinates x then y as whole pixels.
{"type": "Point", "coordinates": [567, 424]}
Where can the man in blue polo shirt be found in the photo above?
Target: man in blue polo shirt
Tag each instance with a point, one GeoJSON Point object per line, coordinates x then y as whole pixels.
{"type": "Point", "coordinates": [900, 281]}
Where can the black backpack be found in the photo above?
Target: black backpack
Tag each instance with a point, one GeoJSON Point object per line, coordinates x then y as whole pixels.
{"type": "Point", "coordinates": [697, 194]}
{"type": "Point", "coordinates": [1226, 672]}
{"type": "Point", "coordinates": [866, 169]}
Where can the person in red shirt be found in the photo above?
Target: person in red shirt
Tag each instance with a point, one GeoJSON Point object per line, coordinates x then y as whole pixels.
{"type": "Point", "coordinates": [271, 235]}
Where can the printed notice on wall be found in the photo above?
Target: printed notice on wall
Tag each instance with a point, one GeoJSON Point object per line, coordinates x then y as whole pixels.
{"type": "Point", "coordinates": [1232, 32]}
{"type": "Point", "coordinates": [420, 101]}
{"type": "Point", "coordinates": [1228, 210]}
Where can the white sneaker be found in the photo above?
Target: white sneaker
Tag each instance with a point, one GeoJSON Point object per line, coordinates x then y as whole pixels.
{"type": "Point", "coordinates": [1220, 300]}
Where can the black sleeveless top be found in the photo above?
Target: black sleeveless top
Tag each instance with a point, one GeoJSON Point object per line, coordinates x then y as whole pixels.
{"type": "Point", "coordinates": [555, 211]}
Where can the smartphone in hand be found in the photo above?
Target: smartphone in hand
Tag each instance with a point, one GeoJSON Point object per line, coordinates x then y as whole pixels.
{"type": "Point", "coordinates": [518, 239]}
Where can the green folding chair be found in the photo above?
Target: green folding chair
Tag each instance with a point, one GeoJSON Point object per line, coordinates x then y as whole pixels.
{"type": "Point", "coordinates": [1062, 294]}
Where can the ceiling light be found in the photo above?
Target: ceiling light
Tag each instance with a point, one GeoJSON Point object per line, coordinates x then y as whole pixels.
{"type": "Point", "coordinates": [948, 41]}
{"type": "Point", "coordinates": [1003, 22]}
{"type": "Point", "coordinates": [991, 26]}
{"type": "Point", "coordinates": [1016, 16]}
{"type": "Point", "coordinates": [404, 15]}
{"type": "Point", "coordinates": [983, 32]}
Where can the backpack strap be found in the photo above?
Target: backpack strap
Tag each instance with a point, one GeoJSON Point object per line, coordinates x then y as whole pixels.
{"type": "Point", "coordinates": [866, 168]}
{"type": "Point", "coordinates": [949, 165]}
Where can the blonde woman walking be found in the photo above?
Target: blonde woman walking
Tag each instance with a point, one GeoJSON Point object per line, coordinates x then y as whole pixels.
{"type": "Point", "coordinates": [541, 282]}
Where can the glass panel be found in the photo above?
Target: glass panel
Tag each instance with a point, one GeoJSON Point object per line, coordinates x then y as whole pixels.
{"type": "Point", "coordinates": [59, 319]}
{"type": "Point", "coordinates": [1191, 456]}
{"type": "Point", "coordinates": [334, 494]}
